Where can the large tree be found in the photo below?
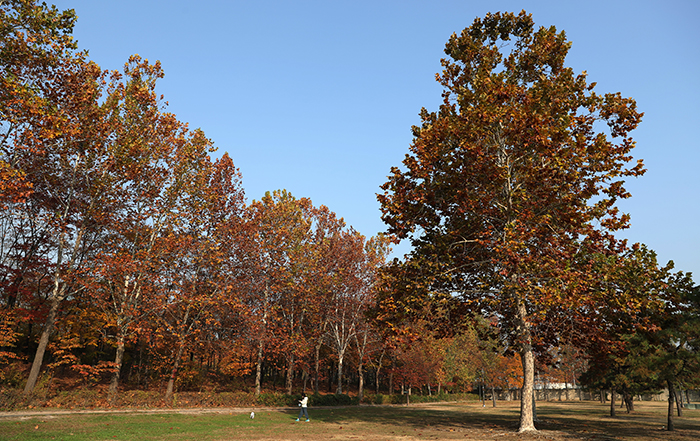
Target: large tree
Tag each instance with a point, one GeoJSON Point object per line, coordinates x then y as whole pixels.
{"type": "Point", "coordinates": [513, 182]}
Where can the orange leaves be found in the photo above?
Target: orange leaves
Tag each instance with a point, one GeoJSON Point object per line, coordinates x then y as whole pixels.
{"type": "Point", "coordinates": [14, 188]}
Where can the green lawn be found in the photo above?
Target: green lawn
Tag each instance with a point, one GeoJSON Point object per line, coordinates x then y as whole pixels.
{"type": "Point", "coordinates": [558, 421]}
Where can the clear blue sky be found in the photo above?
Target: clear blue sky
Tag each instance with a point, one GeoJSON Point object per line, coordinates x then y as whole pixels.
{"type": "Point", "coordinates": [318, 97]}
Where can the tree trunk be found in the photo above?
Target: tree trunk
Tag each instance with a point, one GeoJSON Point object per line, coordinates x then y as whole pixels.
{"type": "Point", "coordinates": [261, 344]}
{"type": "Point", "coordinates": [527, 423]}
{"type": "Point", "coordinates": [671, 401]}
{"type": "Point", "coordinates": [339, 389]}
{"type": "Point", "coordinates": [118, 359]}
{"type": "Point", "coordinates": [629, 401]}
{"type": "Point", "coordinates": [679, 402]}
{"type": "Point", "coordinates": [290, 375]}
{"type": "Point", "coordinates": [360, 392]}
{"type": "Point", "coordinates": [173, 373]}
{"type": "Point", "coordinates": [56, 298]}
{"type": "Point", "coordinates": [493, 395]}
{"type": "Point", "coordinates": [258, 370]}
{"type": "Point", "coordinates": [379, 365]}
{"type": "Point", "coordinates": [534, 407]}
{"type": "Point", "coordinates": [317, 366]}
{"type": "Point", "coordinates": [612, 402]}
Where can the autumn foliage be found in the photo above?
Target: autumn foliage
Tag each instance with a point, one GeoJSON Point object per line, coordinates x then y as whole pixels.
{"type": "Point", "coordinates": [131, 259]}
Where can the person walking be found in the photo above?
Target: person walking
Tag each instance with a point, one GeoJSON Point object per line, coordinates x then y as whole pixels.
{"type": "Point", "coordinates": [303, 403]}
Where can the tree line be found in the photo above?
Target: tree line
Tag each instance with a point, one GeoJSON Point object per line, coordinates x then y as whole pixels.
{"type": "Point", "coordinates": [124, 243]}
{"type": "Point", "coordinates": [129, 255]}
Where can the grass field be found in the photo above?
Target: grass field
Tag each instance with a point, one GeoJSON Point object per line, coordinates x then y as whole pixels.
{"type": "Point", "coordinates": [557, 421]}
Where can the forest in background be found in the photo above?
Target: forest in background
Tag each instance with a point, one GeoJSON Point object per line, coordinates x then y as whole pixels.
{"type": "Point", "coordinates": [130, 257]}
{"type": "Point", "coordinates": [131, 260]}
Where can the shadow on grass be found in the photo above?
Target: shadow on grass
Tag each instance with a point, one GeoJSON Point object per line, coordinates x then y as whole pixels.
{"type": "Point", "coordinates": [572, 419]}
{"type": "Point", "coordinates": [419, 416]}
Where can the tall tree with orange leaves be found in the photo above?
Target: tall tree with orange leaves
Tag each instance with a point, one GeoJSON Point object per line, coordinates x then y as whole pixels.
{"type": "Point", "coordinates": [513, 181]}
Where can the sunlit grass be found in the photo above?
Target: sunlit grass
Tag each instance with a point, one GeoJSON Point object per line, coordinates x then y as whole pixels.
{"type": "Point", "coordinates": [558, 420]}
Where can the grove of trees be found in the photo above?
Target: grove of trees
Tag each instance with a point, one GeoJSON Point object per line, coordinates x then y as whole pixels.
{"type": "Point", "coordinates": [131, 258]}
{"type": "Point", "coordinates": [127, 251]}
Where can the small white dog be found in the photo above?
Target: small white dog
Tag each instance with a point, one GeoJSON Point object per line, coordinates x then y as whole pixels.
{"type": "Point", "coordinates": [252, 415]}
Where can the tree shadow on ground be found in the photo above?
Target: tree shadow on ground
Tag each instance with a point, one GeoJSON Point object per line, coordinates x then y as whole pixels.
{"type": "Point", "coordinates": [574, 420]}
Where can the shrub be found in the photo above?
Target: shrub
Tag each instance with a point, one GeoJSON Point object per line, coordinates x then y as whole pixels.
{"type": "Point", "coordinates": [332, 400]}
{"type": "Point", "coordinates": [274, 399]}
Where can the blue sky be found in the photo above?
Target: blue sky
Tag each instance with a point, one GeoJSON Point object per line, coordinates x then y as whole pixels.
{"type": "Point", "coordinates": [318, 97]}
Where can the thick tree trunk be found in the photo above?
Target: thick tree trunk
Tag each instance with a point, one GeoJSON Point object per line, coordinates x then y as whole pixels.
{"type": "Point", "coordinates": [671, 401]}
{"type": "Point", "coordinates": [339, 389]}
{"type": "Point", "coordinates": [612, 402]}
{"type": "Point", "coordinates": [527, 423]}
{"type": "Point", "coordinates": [118, 359]}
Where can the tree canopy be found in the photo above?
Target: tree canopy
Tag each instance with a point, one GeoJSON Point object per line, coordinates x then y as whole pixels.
{"type": "Point", "coordinates": [509, 189]}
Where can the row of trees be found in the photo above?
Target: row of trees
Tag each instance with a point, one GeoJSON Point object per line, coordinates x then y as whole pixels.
{"type": "Point", "coordinates": [123, 243]}
{"type": "Point", "coordinates": [119, 234]}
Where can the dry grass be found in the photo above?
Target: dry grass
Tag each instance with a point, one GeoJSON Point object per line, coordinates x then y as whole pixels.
{"type": "Point", "coordinates": [463, 421]}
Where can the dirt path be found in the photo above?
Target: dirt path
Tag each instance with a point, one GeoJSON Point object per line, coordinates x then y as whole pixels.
{"type": "Point", "coordinates": [48, 413]}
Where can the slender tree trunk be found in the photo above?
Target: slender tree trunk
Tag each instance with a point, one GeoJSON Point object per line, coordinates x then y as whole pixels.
{"type": "Point", "coordinates": [679, 402]}
{"type": "Point", "coordinates": [58, 294]}
{"type": "Point", "coordinates": [258, 370]}
{"type": "Point", "coordinates": [173, 373]}
{"type": "Point", "coordinates": [527, 423]}
{"type": "Point", "coordinates": [379, 365]}
{"type": "Point", "coordinates": [360, 393]}
{"type": "Point", "coordinates": [317, 366]}
{"type": "Point", "coordinates": [56, 298]}
{"type": "Point", "coordinates": [261, 344]}
{"type": "Point", "coordinates": [290, 374]}
{"type": "Point", "coordinates": [118, 359]}
{"type": "Point", "coordinates": [43, 342]}
{"type": "Point", "coordinates": [493, 395]}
